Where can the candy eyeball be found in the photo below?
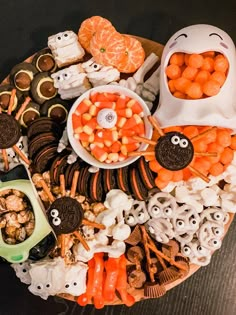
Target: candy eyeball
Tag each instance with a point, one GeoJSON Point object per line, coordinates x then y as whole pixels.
{"type": "Point", "coordinates": [54, 213]}
{"type": "Point", "coordinates": [180, 224]}
{"type": "Point", "coordinates": [175, 140]}
{"type": "Point", "coordinates": [58, 39]}
{"type": "Point", "coordinates": [218, 216]}
{"type": "Point", "coordinates": [168, 211]}
{"type": "Point", "coordinates": [130, 220]}
{"type": "Point", "coordinates": [65, 35]}
{"type": "Point", "coordinates": [39, 287]}
{"type": "Point", "coordinates": [183, 143]}
{"type": "Point", "coordinates": [107, 118]}
{"type": "Point", "coordinates": [56, 221]}
{"type": "Point", "coordinates": [141, 216]}
{"type": "Point", "coordinates": [48, 285]}
{"type": "Point", "coordinates": [154, 211]}
{"type": "Point", "coordinates": [193, 222]}
{"type": "Point", "coordinates": [218, 231]}
{"type": "Point", "coordinates": [60, 78]}
{"type": "Point", "coordinates": [66, 75]}
{"type": "Point", "coordinates": [202, 250]}
{"type": "Point", "coordinates": [215, 243]}
{"type": "Point", "coordinates": [186, 251]}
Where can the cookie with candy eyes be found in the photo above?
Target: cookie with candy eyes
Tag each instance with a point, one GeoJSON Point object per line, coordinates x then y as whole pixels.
{"type": "Point", "coordinates": [210, 234]}
{"type": "Point", "coordinates": [65, 215]}
{"type": "Point", "coordinates": [174, 151]}
{"type": "Point", "coordinates": [137, 214]}
{"type": "Point", "coordinates": [160, 229]}
{"type": "Point", "coordinates": [162, 205]}
{"type": "Point", "coordinates": [214, 214]}
{"type": "Point", "coordinates": [197, 253]}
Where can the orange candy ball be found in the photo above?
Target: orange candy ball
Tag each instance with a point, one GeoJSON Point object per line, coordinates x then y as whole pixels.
{"type": "Point", "coordinates": [211, 88]}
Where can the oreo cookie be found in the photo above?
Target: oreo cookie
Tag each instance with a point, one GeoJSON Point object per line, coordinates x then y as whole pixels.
{"type": "Point", "coordinates": [109, 180]}
{"type": "Point", "coordinates": [58, 167]}
{"type": "Point", "coordinates": [145, 173]}
{"type": "Point", "coordinates": [83, 181]}
{"type": "Point", "coordinates": [39, 141]}
{"type": "Point", "coordinates": [9, 131]}
{"type": "Point", "coordinates": [44, 158]}
{"type": "Point", "coordinates": [139, 191]}
{"type": "Point", "coordinates": [174, 151]}
{"type": "Point", "coordinates": [122, 176]}
{"type": "Point", "coordinates": [44, 124]}
{"type": "Point", "coordinates": [65, 215]}
{"type": "Point", "coordinates": [96, 191]}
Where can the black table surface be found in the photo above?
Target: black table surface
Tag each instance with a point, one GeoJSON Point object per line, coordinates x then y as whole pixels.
{"type": "Point", "coordinates": [24, 28]}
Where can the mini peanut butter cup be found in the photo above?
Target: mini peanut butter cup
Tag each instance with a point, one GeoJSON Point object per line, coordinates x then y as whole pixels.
{"type": "Point", "coordinates": [9, 131]}
{"type": "Point", "coordinates": [137, 279]}
{"type": "Point", "coordinates": [154, 290]}
{"type": "Point", "coordinates": [65, 215]}
{"type": "Point", "coordinates": [135, 236]}
{"type": "Point", "coordinates": [169, 275]}
{"type": "Point", "coordinates": [171, 249]}
{"type": "Point", "coordinates": [180, 259]}
{"type": "Point", "coordinates": [135, 253]}
{"type": "Point", "coordinates": [174, 151]}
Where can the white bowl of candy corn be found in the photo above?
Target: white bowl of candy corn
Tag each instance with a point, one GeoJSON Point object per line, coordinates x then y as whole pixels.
{"type": "Point", "coordinates": [104, 123]}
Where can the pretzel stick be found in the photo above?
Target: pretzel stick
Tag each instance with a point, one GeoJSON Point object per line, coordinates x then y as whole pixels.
{"type": "Point", "coordinates": [21, 154]}
{"type": "Point", "coordinates": [74, 184]}
{"type": "Point", "coordinates": [147, 251]}
{"type": "Point", "coordinates": [145, 140]}
{"type": "Point", "coordinates": [62, 185]}
{"type": "Point", "coordinates": [202, 134]}
{"type": "Point", "coordinates": [199, 174]}
{"type": "Point", "coordinates": [210, 154]}
{"type": "Point", "coordinates": [155, 124]}
{"type": "Point", "coordinates": [141, 153]}
{"type": "Point", "coordinates": [82, 240]}
{"type": "Point", "coordinates": [63, 245]}
{"type": "Point", "coordinates": [5, 159]}
{"type": "Point", "coordinates": [47, 190]}
{"type": "Point", "coordinates": [11, 102]}
{"type": "Point", "coordinates": [93, 224]}
{"type": "Point", "coordinates": [22, 108]}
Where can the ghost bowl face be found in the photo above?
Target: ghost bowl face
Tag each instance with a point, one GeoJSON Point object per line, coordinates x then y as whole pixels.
{"type": "Point", "coordinates": [82, 152]}
{"type": "Point", "coordinates": [218, 110]}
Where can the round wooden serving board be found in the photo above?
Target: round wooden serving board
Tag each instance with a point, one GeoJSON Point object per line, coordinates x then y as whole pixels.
{"type": "Point", "coordinates": [149, 47]}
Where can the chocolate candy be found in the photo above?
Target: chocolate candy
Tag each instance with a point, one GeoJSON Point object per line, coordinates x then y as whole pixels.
{"type": "Point", "coordinates": [65, 215]}
{"type": "Point", "coordinates": [9, 131]}
{"type": "Point", "coordinates": [174, 151]}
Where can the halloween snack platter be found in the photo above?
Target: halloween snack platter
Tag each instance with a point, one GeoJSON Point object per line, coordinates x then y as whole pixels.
{"type": "Point", "coordinates": [117, 162]}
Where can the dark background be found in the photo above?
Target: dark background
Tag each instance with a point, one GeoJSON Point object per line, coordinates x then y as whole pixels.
{"type": "Point", "coordinates": [24, 28]}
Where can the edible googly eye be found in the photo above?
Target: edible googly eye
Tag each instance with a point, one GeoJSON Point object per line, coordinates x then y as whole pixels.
{"type": "Point", "coordinates": [218, 216]}
{"type": "Point", "coordinates": [180, 223]}
{"type": "Point", "coordinates": [58, 38]}
{"type": "Point", "coordinates": [66, 76]}
{"type": "Point", "coordinates": [48, 285]}
{"type": "Point", "coordinates": [75, 284]}
{"type": "Point", "coordinates": [39, 287]}
{"type": "Point", "coordinates": [130, 219]}
{"type": "Point", "coordinates": [24, 270]}
{"type": "Point", "coordinates": [151, 230]}
{"type": "Point", "coordinates": [218, 231]}
{"type": "Point", "coordinates": [155, 210]}
{"type": "Point", "coordinates": [56, 221]}
{"type": "Point", "coordinates": [175, 140]}
{"type": "Point", "coordinates": [60, 78]}
{"type": "Point", "coordinates": [215, 243]}
{"type": "Point", "coordinates": [168, 211]}
{"type": "Point", "coordinates": [141, 216]}
{"type": "Point", "coordinates": [20, 146]}
{"type": "Point", "coordinates": [67, 286]}
{"type": "Point", "coordinates": [65, 35]}
{"type": "Point", "coordinates": [95, 66]}
{"type": "Point", "coordinates": [54, 213]}
{"type": "Point", "coordinates": [202, 250]}
{"type": "Point", "coordinates": [183, 143]}
{"type": "Point", "coordinates": [193, 222]}
{"type": "Point", "coordinates": [186, 250]}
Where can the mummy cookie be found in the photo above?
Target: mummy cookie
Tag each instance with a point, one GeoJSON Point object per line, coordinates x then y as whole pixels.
{"type": "Point", "coordinates": [65, 48]}
{"type": "Point", "coordinates": [71, 82]}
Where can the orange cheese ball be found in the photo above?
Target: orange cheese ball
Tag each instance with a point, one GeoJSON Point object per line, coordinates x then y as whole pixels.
{"type": "Point", "coordinates": [219, 76]}
{"type": "Point", "coordinates": [194, 90]}
{"type": "Point", "coordinates": [208, 64]}
{"type": "Point", "coordinates": [177, 59]}
{"type": "Point", "coordinates": [181, 84]}
{"type": "Point", "coordinates": [179, 94]}
{"type": "Point", "coordinates": [173, 71]}
{"type": "Point", "coordinates": [211, 88]}
{"type": "Point", "coordinates": [195, 60]}
{"type": "Point", "coordinates": [221, 63]}
{"type": "Point", "coordinates": [189, 73]}
{"type": "Point", "coordinates": [202, 76]}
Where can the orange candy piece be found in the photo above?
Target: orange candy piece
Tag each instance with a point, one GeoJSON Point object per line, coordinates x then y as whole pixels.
{"type": "Point", "coordinates": [177, 59]}
{"type": "Point", "coordinates": [89, 27]}
{"type": "Point", "coordinates": [211, 87]}
{"type": "Point", "coordinates": [195, 61]}
{"type": "Point", "coordinates": [173, 71]}
{"type": "Point", "coordinates": [194, 90]}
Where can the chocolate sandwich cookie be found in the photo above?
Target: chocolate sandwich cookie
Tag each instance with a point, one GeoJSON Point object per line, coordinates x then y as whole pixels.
{"type": "Point", "coordinates": [69, 172]}
{"type": "Point", "coordinates": [9, 131]}
{"type": "Point", "coordinates": [44, 61]}
{"type": "Point", "coordinates": [44, 158]}
{"type": "Point", "coordinates": [139, 191]}
{"type": "Point", "coordinates": [58, 167]}
{"type": "Point", "coordinates": [38, 142]}
{"type": "Point", "coordinates": [83, 181]}
{"type": "Point", "coordinates": [65, 215]}
{"type": "Point", "coordinates": [145, 173]}
{"type": "Point", "coordinates": [22, 75]}
{"type": "Point", "coordinates": [96, 191]}
{"type": "Point", "coordinates": [109, 180]}
{"type": "Point", "coordinates": [44, 124]}
{"type": "Point", "coordinates": [5, 95]}
{"type": "Point", "coordinates": [174, 151]}
{"type": "Point", "coordinates": [122, 178]}
{"type": "Point", "coordinates": [57, 109]}
{"type": "Point", "coordinates": [42, 87]}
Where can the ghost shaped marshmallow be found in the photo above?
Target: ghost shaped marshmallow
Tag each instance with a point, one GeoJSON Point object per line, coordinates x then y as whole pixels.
{"type": "Point", "coordinates": [218, 110]}
{"type": "Point", "coordinates": [22, 271]}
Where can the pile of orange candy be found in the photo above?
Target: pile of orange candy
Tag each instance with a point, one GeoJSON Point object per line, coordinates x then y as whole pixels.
{"type": "Point", "coordinates": [196, 76]}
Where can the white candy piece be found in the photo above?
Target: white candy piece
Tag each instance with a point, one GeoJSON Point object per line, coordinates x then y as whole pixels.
{"type": "Point", "coordinates": [65, 48]}
{"type": "Point", "coordinates": [121, 231]}
{"type": "Point", "coordinates": [22, 271]}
